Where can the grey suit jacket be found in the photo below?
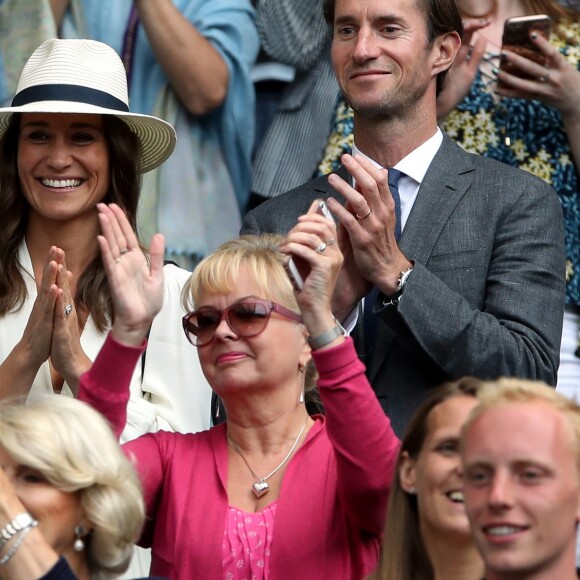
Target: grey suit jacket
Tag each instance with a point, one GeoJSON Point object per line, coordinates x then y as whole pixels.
{"type": "Point", "coordinates": [486, 296]}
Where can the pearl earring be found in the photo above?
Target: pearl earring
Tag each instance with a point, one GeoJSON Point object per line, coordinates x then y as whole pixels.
{"type": "Point", "coordinates": [79, 545]}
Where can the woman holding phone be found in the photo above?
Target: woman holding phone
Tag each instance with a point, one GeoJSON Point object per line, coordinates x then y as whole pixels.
{"type": "Point", "coordinates": [281, 493]}
{"type": "Point", "coordinates": [528, 117]}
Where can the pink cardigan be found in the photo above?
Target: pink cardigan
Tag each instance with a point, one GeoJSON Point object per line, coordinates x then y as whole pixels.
{"type": "Point", "coordinates": [332, 504]}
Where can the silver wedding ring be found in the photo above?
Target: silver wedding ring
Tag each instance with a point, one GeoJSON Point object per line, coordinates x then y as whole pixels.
{"type": "Point", "coordinates": [67, 310]}
{"type": "Point", "coordinates": [321, 248]}
{"type": "Point", "coordinates": [331, 242]}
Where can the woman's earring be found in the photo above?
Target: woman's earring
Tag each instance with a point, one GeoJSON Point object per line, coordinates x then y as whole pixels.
{"type": "Point", "coordinates": [79, 545]}
{"type": "Point", "coordinates": [303, 373]}
{"type": "Point", "coordinates": [217, 407]}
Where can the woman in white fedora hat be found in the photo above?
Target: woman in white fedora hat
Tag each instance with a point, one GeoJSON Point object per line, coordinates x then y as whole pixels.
{"type": "Point", "coordinates": [67, 143]}
{"type": "Point", "coordinates": [189, 63]}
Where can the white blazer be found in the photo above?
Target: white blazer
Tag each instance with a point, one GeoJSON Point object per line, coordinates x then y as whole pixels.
{"type": "Point", "coordinates": [171, 394]}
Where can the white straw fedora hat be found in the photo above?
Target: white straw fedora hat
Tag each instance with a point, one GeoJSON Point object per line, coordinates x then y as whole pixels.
{"type": "Point", "coordinates": [86, 76]}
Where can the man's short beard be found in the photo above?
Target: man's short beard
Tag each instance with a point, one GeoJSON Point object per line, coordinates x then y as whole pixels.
{"type": "Point", "coordinates": [381, 111]}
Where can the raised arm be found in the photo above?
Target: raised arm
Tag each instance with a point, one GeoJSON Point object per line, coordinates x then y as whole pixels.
{"type": "Point", "coordinates": [137, 292]}
{"type": "Point", "coordinates": [18, 370]}
{"type": "Point", "coordinates": [557, 85]}
{"type": "Point", "coordinates": [193, 61]}
{"type": "Point", "coordinates": [364, 442]}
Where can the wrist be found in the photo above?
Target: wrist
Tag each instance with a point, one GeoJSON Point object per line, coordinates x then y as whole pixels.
{"type": "Point", "coordinates": [27, 356]}
{"type": "Point", "coordinates": [390, 282]}
{"type": "Point", "coordinates": [130, 336]}
{"type": "Point", "coordinates": [394, 298]}
{"type": "Point", "coordinates": [73, 374]}
{"type": "Point", "coordinates": [327, 337]}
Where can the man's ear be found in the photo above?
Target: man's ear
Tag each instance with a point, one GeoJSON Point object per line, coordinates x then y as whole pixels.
{"type": "Point", "coordinates": [445, 48]}
{"type": "Point", "coordinates": [407, 473]}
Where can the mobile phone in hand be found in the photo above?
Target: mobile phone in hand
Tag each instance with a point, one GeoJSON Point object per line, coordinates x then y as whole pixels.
{"type": "Point", "coordinates": [292, 265]}
{"type": "Point", "coordinates": [516, 38]}
{"type": "Point", "coordinates": [323, 210]}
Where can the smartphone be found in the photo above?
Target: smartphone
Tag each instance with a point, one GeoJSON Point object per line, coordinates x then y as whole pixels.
{"type": "Point", "coordinates": [516, 38]}
{"type": "Point", "coordinates": [323, 210]}
{"type": "Point", "coordinates": [292, 264]}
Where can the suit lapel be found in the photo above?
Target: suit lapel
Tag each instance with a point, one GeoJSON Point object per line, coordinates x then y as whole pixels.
{"type": "Point", "coordinates": [322, 186]}
{"type": "Point", "coordinates": [448, 178]}
{"type": "Point", "coordinates": [445, 183]}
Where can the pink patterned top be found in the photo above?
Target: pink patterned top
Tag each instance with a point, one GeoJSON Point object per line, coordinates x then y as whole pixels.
{"type": "Point", "coordinates": [247, 543]}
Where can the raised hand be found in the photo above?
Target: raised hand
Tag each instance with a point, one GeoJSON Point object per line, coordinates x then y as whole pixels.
{"type": "Point", "coordinates": [66, 354]}
{"type": "Point", "coordinates": [20, 367]}
{"type": "Point", "coordinates": [37, 337]}
{"type": "Point", "coordinates": [557, 84]}
{"type": "Point", "coordinates": [369, 219]}
{"type": "Point", "coordinates": [313, 240]}
{"type": "Point", "coordinates": [136, 283]}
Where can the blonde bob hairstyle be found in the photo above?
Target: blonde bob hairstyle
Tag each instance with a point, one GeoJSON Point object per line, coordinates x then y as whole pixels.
{"type": "Point", "coordinates": [218, 272]}
{"type": "Point", "coordinates": [259, 255]}
{"type": "Point", "coordinates": [512, 390]}
{"type": "Point", "coordinates": [73, 447]}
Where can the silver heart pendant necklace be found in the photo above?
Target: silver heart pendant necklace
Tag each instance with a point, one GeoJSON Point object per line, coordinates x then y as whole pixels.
{"type": "Point", "coordinates": [261, 486]}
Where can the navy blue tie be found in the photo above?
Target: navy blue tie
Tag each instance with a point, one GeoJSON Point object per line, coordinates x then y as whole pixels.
{"type": "Point", "coordinates": [370, 319]}
{"type": "Point", "coordinates": [394, 176]}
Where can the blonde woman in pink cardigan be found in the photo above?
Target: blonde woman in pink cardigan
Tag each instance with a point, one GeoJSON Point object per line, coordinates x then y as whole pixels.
{"type": "Point", "coordinates": [273, 492]}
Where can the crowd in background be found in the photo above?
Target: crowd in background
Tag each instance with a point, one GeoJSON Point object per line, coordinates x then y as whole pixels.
{"type": "Point", "coordinates": [344, 413]}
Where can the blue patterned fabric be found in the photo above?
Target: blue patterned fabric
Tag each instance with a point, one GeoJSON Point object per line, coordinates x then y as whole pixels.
{"type": "Point", "coordinates": [538, 144]}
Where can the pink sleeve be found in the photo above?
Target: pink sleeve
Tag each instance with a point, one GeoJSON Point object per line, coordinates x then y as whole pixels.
{"type": "Point", "coordinates": [147, 453]}
{"type": "Point", "coordinates": [105, 386]}
{"type": "Point", "coordinates": [364, 442]}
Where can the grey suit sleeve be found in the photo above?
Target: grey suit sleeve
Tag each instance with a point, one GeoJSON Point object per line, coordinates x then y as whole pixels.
{"type": "Point", "coordinates": [514, 327]}
{"type": "Point", "coordinates": [292, 31]}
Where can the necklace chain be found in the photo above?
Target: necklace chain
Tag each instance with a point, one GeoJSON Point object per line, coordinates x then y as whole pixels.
{"type": "Point", "coordinates": [260, 487]}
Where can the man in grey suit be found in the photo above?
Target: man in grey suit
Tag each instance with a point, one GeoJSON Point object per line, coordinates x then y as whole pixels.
{"type": "Point", "coordinates": [474, 285]}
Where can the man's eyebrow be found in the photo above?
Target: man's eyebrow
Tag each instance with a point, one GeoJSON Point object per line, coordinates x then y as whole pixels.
{"type": "Point", "coordinates": [344, 19]}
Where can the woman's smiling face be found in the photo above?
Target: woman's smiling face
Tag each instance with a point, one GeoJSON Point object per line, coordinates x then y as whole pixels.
{"type": "Point", "coordinates": [436, 473]}
{"type": "Point", "coordinates": [63, 163]}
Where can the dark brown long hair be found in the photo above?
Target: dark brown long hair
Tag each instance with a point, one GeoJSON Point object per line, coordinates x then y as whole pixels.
{"type": "Point", "coordinates": [93, 292]}
{"type": "Point", "coordinates": [403, 555]}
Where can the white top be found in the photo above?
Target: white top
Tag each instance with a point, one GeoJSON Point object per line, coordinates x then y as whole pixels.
{"type": "Point", "coordinates": [414, 166]}
{"type": "Point", "coordinates": [172, 394]}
